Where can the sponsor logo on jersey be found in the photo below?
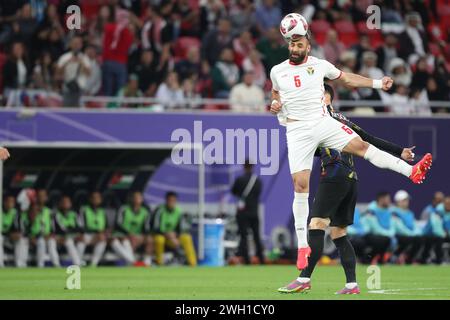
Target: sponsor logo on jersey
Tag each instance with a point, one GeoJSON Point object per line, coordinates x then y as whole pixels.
{"type": "Point", "coordinates": [310, 70]}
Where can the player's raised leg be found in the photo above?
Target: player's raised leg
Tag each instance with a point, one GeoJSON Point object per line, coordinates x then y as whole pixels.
{"type": "Point", "coordinates": [385, 160]}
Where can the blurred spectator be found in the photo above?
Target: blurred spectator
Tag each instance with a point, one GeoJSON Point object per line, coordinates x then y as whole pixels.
{"type": "Point", "coordinates": [333, 48]}
{"type": "Point", "coordinates": [387, 51]}
{"type": "Point", "coordinates": [400, 72]}
{"type": "Point", "coordinates": [132, 222]}
{"type": "Point", "coordinates": [246, 96]}
{"type": "Point", "coordinates": [94, 81]}
{"type": "Point", "coordinates": [211, 11]}
{"type": "Point", "coordinates": [407, 231]}
{"type": "Point", "coordinates": [25, 25]}
{"type": "Point", "coordinates": [189, 67]}
{"type": "Point", "coordinates": [247, 189]}
{"type": "Point", "coordinates": [267, 15]}
{"type": "Point", "coordinates": [93, 224]}
{"type": "Point", "coordinates": [97, 27]}
{"type": "Point", "coordinates": [242, 46]}
{"type": "Point", "coordinates": [148, 76]}
{"type": "Point", "coordinates": [224, 74]}
{"type": "Point", "coordinates": [130, 90]}
{"type": "Point", "coordinates": [316, 49]}
{"type": "Point", "coordinates": [434, 237]}
{"type": "Point", "coordinates": [171, 229]}
{"type": "Point", "coordinates": [399, 101]}
{"type": "Point", "coordinates": [421, 74]}
{"type": "Point", "coordinates": [413, 41]}
{"type": "Point", "coordinates": [273, 48]}
{"type": "Point", "coordinates": [10, 235]}
{"type": "Point", "coordinates": [362, 46]}
{"type": "Point", "coordinates": [169, 93]}
{"type": "Point", "coordinates": [189, 93]}
{"type": "Point", "coordinates": [420, 103]}
{"type": "Point", "coordinates": [370, 70]}
{"type": "Point", "coordinates": [74, 68]}
{"type": "Point", "coordinates": [65, 220]}
{"type": "Point", "coordinates": [437, 199]}
{"type": "Point", "coordinates": [253, 63]}
{"type": "Point", "coordinates": [381, 229]}
{"type": "Point", "coordinates": [357, 233]}
{"type": "Point", "coordinates": [43, 73]}
{"type": "Point", "coordinates": [444, 210]}
{"type": "Point", "coordinates": [48, 31]}
{"type": "Point", "coordinates": [216, 40]}
{"type": "Point", "coordinates": [117, 41]}
{"type": "Point", "coordinates": [189, 18]}
{"type": "Point", "coordinates": [241, 16]}
{"type": "Point", "coordinates": [436, 92]}
{"type": "Point", "coordinates": [16, 69]}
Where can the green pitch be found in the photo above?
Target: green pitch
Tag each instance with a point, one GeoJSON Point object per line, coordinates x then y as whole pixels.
{"type": "Point", "coordinates": [237, 282]}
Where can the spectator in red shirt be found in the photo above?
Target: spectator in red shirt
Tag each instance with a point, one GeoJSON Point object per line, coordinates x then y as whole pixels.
{"type": "Point", "coordinates": [117, 41]}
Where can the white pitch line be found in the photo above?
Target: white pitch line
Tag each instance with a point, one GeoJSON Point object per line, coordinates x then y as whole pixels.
{"type": "Point", "coordinates": [401, 291]}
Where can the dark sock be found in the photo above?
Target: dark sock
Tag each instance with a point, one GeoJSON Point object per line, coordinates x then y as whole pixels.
{"type": "Point", "coordinates": [348, 257]}
{"type": "Point", "coordinates": [316, 238]}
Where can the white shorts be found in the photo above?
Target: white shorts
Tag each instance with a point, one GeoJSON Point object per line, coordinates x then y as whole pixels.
{"type": "Point", "coordinates": [304, 137]}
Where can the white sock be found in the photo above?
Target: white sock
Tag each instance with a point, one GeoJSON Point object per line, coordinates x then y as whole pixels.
{"type": "Point", "coordinates": [121, 251]}
{"type": "Point", "coordinates": [17, 252]}
{"type": "Point", "coordinates": [300, 208]}
{"type": "Point", "coordinates": [351, 285]}
{"type": "Point", "coordinates": [72, 250]}
{"type": "Point", "coordinates": [40, 252]}
{"type": "Point", "coordinates": [53, 252]}
{"type": "Point", "coordinates": [384, 160]}
{"type": "Point", "coordinates": [99, 249]}
{"type": "Point", "coordinates": [23, 249]}
{"type": "Point", "coordinates": [81, 246]}
{"type": "Point", "coordinates": [2, 253]}
{"type": "Point", "coordinates": [129, 249]}
{"type": "Point", "coordinates": [147, 260]}
{"type": "Point", "coordinates": [303, 280]}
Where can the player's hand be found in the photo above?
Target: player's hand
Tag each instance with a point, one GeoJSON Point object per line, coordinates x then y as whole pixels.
{"type": "Point", "coordinates": [387, 83]}
{"type": "Point", "coordinates": [408, 154]}
{"type": "Point", "coordinates": [4, 154]}
{"type": "Point", "coordinates": [275, 107]}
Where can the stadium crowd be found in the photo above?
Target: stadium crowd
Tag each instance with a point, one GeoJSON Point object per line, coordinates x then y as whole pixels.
{"type": "Point", "coordinates": [135, 233]}
{"type": "Point", "coordinates": [179, 51]}
{"type": "Point", "coordinates": [387, 232]}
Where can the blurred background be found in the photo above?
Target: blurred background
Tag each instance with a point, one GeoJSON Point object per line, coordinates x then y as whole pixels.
{"type": "Point", "coordinates": [94, 108]}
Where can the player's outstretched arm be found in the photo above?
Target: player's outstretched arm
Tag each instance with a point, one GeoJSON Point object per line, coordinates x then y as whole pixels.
{"type": "Point", "coordinates": [356, 81]}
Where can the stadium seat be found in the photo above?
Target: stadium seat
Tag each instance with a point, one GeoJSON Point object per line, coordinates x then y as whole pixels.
{"type": "Point", "coordinates": [183, 44]}
{"type": "Point", "coordinates": [319, 29]}
{"type": "Point", "coordinates": [347, 32]}
{"type": "Point", "coordinates": [375, 36]}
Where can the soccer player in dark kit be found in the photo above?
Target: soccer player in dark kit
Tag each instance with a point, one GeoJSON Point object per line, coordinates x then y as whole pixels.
{"type": "Point", "coordinates": [334, 204]}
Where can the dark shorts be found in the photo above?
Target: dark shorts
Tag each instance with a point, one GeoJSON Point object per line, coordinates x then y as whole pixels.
{"type": "Point", "coordinates": [336, 200]}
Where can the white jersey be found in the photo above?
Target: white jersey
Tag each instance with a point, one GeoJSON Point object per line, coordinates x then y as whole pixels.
{"type": "Point", "coordinates": [301, 88]}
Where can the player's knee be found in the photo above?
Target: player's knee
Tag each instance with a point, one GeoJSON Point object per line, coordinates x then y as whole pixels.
{"type": "Point", "coordinates": [319, 223]}
{"type": "Point", "coordinates": [338, 232]}
{"type": "Point", "coordinates": [301, 185]}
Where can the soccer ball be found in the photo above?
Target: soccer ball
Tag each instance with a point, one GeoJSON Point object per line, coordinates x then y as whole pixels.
{"type": "Point", "coordinates": [293, 26]}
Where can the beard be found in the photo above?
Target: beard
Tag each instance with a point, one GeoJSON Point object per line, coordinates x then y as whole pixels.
{"type": "Point", "coordinates": [298, 58]}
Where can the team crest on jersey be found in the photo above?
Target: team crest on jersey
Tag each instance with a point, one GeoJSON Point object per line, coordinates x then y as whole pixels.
{"type": "Point", "coordinates": [310, 70]}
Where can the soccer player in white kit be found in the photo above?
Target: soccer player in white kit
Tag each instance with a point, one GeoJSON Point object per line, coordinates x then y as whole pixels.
{"type": "Point", "coordinates": [298, 101]}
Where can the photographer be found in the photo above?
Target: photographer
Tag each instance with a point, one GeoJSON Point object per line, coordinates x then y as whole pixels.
{"type": "Point", "coordinates": [74, 68]}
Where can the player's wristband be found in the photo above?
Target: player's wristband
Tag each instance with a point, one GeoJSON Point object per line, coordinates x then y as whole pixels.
{"type": "Point", "coordinates": [377, 84]}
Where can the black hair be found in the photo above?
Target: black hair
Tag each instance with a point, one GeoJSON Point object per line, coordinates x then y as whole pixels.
{"type": "Point", "coordinates": [382, 194]}
{"type": "Point", "coordinates": [329, 90]}
{"type": "Point", "coordinates": [171, 194]}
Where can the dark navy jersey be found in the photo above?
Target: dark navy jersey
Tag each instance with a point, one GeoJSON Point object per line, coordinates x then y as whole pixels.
{"type": "Point", "coordinates": [337, 164]}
